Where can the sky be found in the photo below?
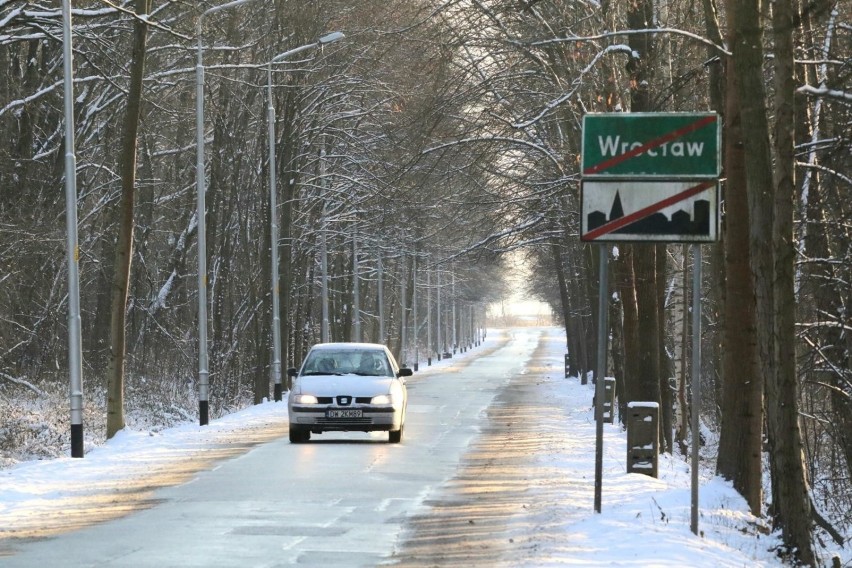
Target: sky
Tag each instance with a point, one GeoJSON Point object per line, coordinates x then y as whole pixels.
{"type": "Point", "coordinates": [644, 521]}
{"type": "Point", "coordinates": [518, 303]}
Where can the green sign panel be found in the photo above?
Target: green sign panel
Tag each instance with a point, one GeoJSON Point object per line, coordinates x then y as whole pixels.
{"type": "Point", "coordinates": [651, 145]}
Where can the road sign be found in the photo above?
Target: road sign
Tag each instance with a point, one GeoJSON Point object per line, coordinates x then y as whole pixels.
{"type": "Point", "coordinates": [661, 211]}
{"type": "Point", "coordinates": [655, 145]}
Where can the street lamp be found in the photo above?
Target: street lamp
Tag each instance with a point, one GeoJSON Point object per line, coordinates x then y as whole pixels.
{"type": "Point", "coordinates": [414, 315]}
{"type": "Point", "coordinates": [75, 349]}
{"type": "Point", "coordinates": [356, 287]}
{"type": "Point", "coordinates": [203, 371]}
{"type": "Point", "coordinates": [273, 206]}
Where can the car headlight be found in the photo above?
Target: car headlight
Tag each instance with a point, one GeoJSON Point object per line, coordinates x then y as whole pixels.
{"type": "Point", "coordinates": [382, 399]}
{"type": "Point", "coordinates": [304, 399]}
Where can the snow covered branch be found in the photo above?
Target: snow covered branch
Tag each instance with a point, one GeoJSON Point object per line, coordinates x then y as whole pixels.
{"type": "Point", "coordinates": [619, 33]}
{"type": "Point", "coordinates": [23, 383]}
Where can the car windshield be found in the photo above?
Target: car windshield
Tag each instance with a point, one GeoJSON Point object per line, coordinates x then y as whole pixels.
{"type": "Point", "coordinates": [371, 363]}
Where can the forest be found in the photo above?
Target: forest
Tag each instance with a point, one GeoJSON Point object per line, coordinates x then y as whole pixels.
{"type": "Point", "coordinates": [378, 184]}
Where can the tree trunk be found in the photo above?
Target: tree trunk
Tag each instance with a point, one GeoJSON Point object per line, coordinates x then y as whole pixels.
{"type": "Point", "coordinates": [591, 260]}
{"type": "Point", "coordinates": [787, 459]}
{"type": "Point", "coordinates": [617, 348]}
{"type": "Point", "coordinates": [647, 364]}
{"type": "Point", "coordinates": [630, 323]}
{"type": "Point", "coordinates": [648, 361]}
{"type": "Point", "coordinates": [713, 285]}
{"type": "Point", "coordinates": [683, 423]}
{"type": "Point", "coordinates": [748, 64]}
{"type": "Point", "coordinates": [124, 243]}
{"type": "Point", "coordinates": [564, 299]}
{"type": "Point", "coordinates": [791, 505]}
{"type": "Point", "coordinates": [741, 437]}
{"type": "Point", "coordinates": [665, 364]}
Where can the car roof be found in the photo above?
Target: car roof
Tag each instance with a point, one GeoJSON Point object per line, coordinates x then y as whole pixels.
{"type": "Point", "coordinates": [348, 347]}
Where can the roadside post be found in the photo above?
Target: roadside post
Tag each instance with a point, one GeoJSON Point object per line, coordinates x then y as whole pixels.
{"type": "Point", "coordinates": [609, 400]}
{"type": "Point", "coordinates": [653, 178]}
{"type": "Point", "coordinates": [643, 438]}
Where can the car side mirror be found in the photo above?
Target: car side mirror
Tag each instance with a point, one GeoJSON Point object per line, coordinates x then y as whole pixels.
{"type": "Point", "coordinates": [405, 372]}
{"type": "Point", "coordinates": [292, 372]}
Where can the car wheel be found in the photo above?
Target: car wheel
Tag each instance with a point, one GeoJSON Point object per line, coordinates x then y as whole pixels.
{"type": "Point", "coordinates": [395, 436]}
{"type": "Point", "coordinates": [299, 435]}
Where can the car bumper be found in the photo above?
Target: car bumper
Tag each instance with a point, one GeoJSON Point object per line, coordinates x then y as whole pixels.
{"type": "Point", "coordinates": [371, 419]}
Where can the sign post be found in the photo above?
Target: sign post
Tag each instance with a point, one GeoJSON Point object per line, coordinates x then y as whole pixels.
{"type": "Point", "coordinates": [603, 261]}
{"type": "Point", "coordinates": [650, 177]}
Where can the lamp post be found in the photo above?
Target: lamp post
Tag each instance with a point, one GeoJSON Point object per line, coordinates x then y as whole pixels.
{"type": "Point", "coordinates": [414, 315]}
{"type": "Point", "coordinates": [402, 323]}
{"type": "Point", "coordinates": [326, 337]}
{"type": "Point", "coordinates": [356, 287]}
{"type": "Point", "coordinates": [455, 326]}
{"type": "Point", "coordinates": [429, 317]}
{"type": "Point", "coordinates": [440, 343]}
{"type": "Point", "coordinates": [273, 207]}
{"type": "Point", "coordinates": [203, 371]}
{"type": "Point", "coordinates": [75, 349]}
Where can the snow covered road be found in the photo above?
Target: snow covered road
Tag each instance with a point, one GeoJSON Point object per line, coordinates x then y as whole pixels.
{"type": "Point", "coordinates": [496, 469]}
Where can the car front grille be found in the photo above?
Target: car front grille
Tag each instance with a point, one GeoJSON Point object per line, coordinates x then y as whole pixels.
{"type": "Point", "coordinates": [357, 399]}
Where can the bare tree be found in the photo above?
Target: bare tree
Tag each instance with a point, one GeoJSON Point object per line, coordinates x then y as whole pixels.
{"type": "Point", "coordinates": [741, 435]}
{"type": "Point", "coordinates": [124, 242]}
{"type": "Point", "coordinates": [792, 505]}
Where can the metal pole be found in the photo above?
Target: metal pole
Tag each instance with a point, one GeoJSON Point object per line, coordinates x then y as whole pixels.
{"type": "Point", "coordinates": [203, 371]}
{"type": "Point", "coordinates": [273, 215]}
{"type": "Point", "coordinates": [324, 261]}
{"type": "Point", "coordinates": [414, 315]}
{"type": "Point", "coordinates": [603, 291]}
{"type": "Point", "coordinates": [200, 186]}
{"type": "Point", "coordinates": [476, 311]}
{"type": "Point", "coordinates": [273, 204]}
{"type": "Point", "coordinates": [324, 249]}
{"type": "Point", "coordinates": [403, 330]}
{"type": "Point", "coordinates": [428, 318]}
{"type": "Point", "coordinates": [356, 287]}
{"type": "Point", "coordinates": [455, 321]}
{"type": "Point", "coordinates": [440, 344]}
{"type": "Point", "coordinates": [75, 347]}
{"type": "Point", "coordinates": [470, 332]}
{"type": "Point", "coordinates": [381, 299]}
{"type": "Point", "coordinates": [462, 329]}
{"type": "Point", "coordinates": [696, 378]}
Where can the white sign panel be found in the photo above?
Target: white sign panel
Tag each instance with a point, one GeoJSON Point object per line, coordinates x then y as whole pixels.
{"type": "Point", "coordinates": [663, 211]}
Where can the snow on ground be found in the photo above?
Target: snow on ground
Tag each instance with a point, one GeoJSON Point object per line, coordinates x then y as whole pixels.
{"type": "Point", "coordinates": [644, 521]}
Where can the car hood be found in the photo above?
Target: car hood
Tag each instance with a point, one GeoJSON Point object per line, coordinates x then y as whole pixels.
{"type": "Point", "coordinates": [333, 385]}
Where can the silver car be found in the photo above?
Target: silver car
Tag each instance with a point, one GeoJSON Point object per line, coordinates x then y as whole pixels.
{"type": "Point", "coordinates": [348, 387]}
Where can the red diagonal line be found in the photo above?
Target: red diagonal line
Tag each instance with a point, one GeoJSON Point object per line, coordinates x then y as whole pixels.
{"type": "Point", "coordinates": [654, 143]}
{"type": "Point", "coordinates": [642, 213]}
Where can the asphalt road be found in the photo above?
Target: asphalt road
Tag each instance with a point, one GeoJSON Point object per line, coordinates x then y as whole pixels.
{"type": "Point", "coordinates": [345, 499]}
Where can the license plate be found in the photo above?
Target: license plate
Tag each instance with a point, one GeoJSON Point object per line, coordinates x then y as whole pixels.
{"type": "Point", "coordinates": [348, 413]}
